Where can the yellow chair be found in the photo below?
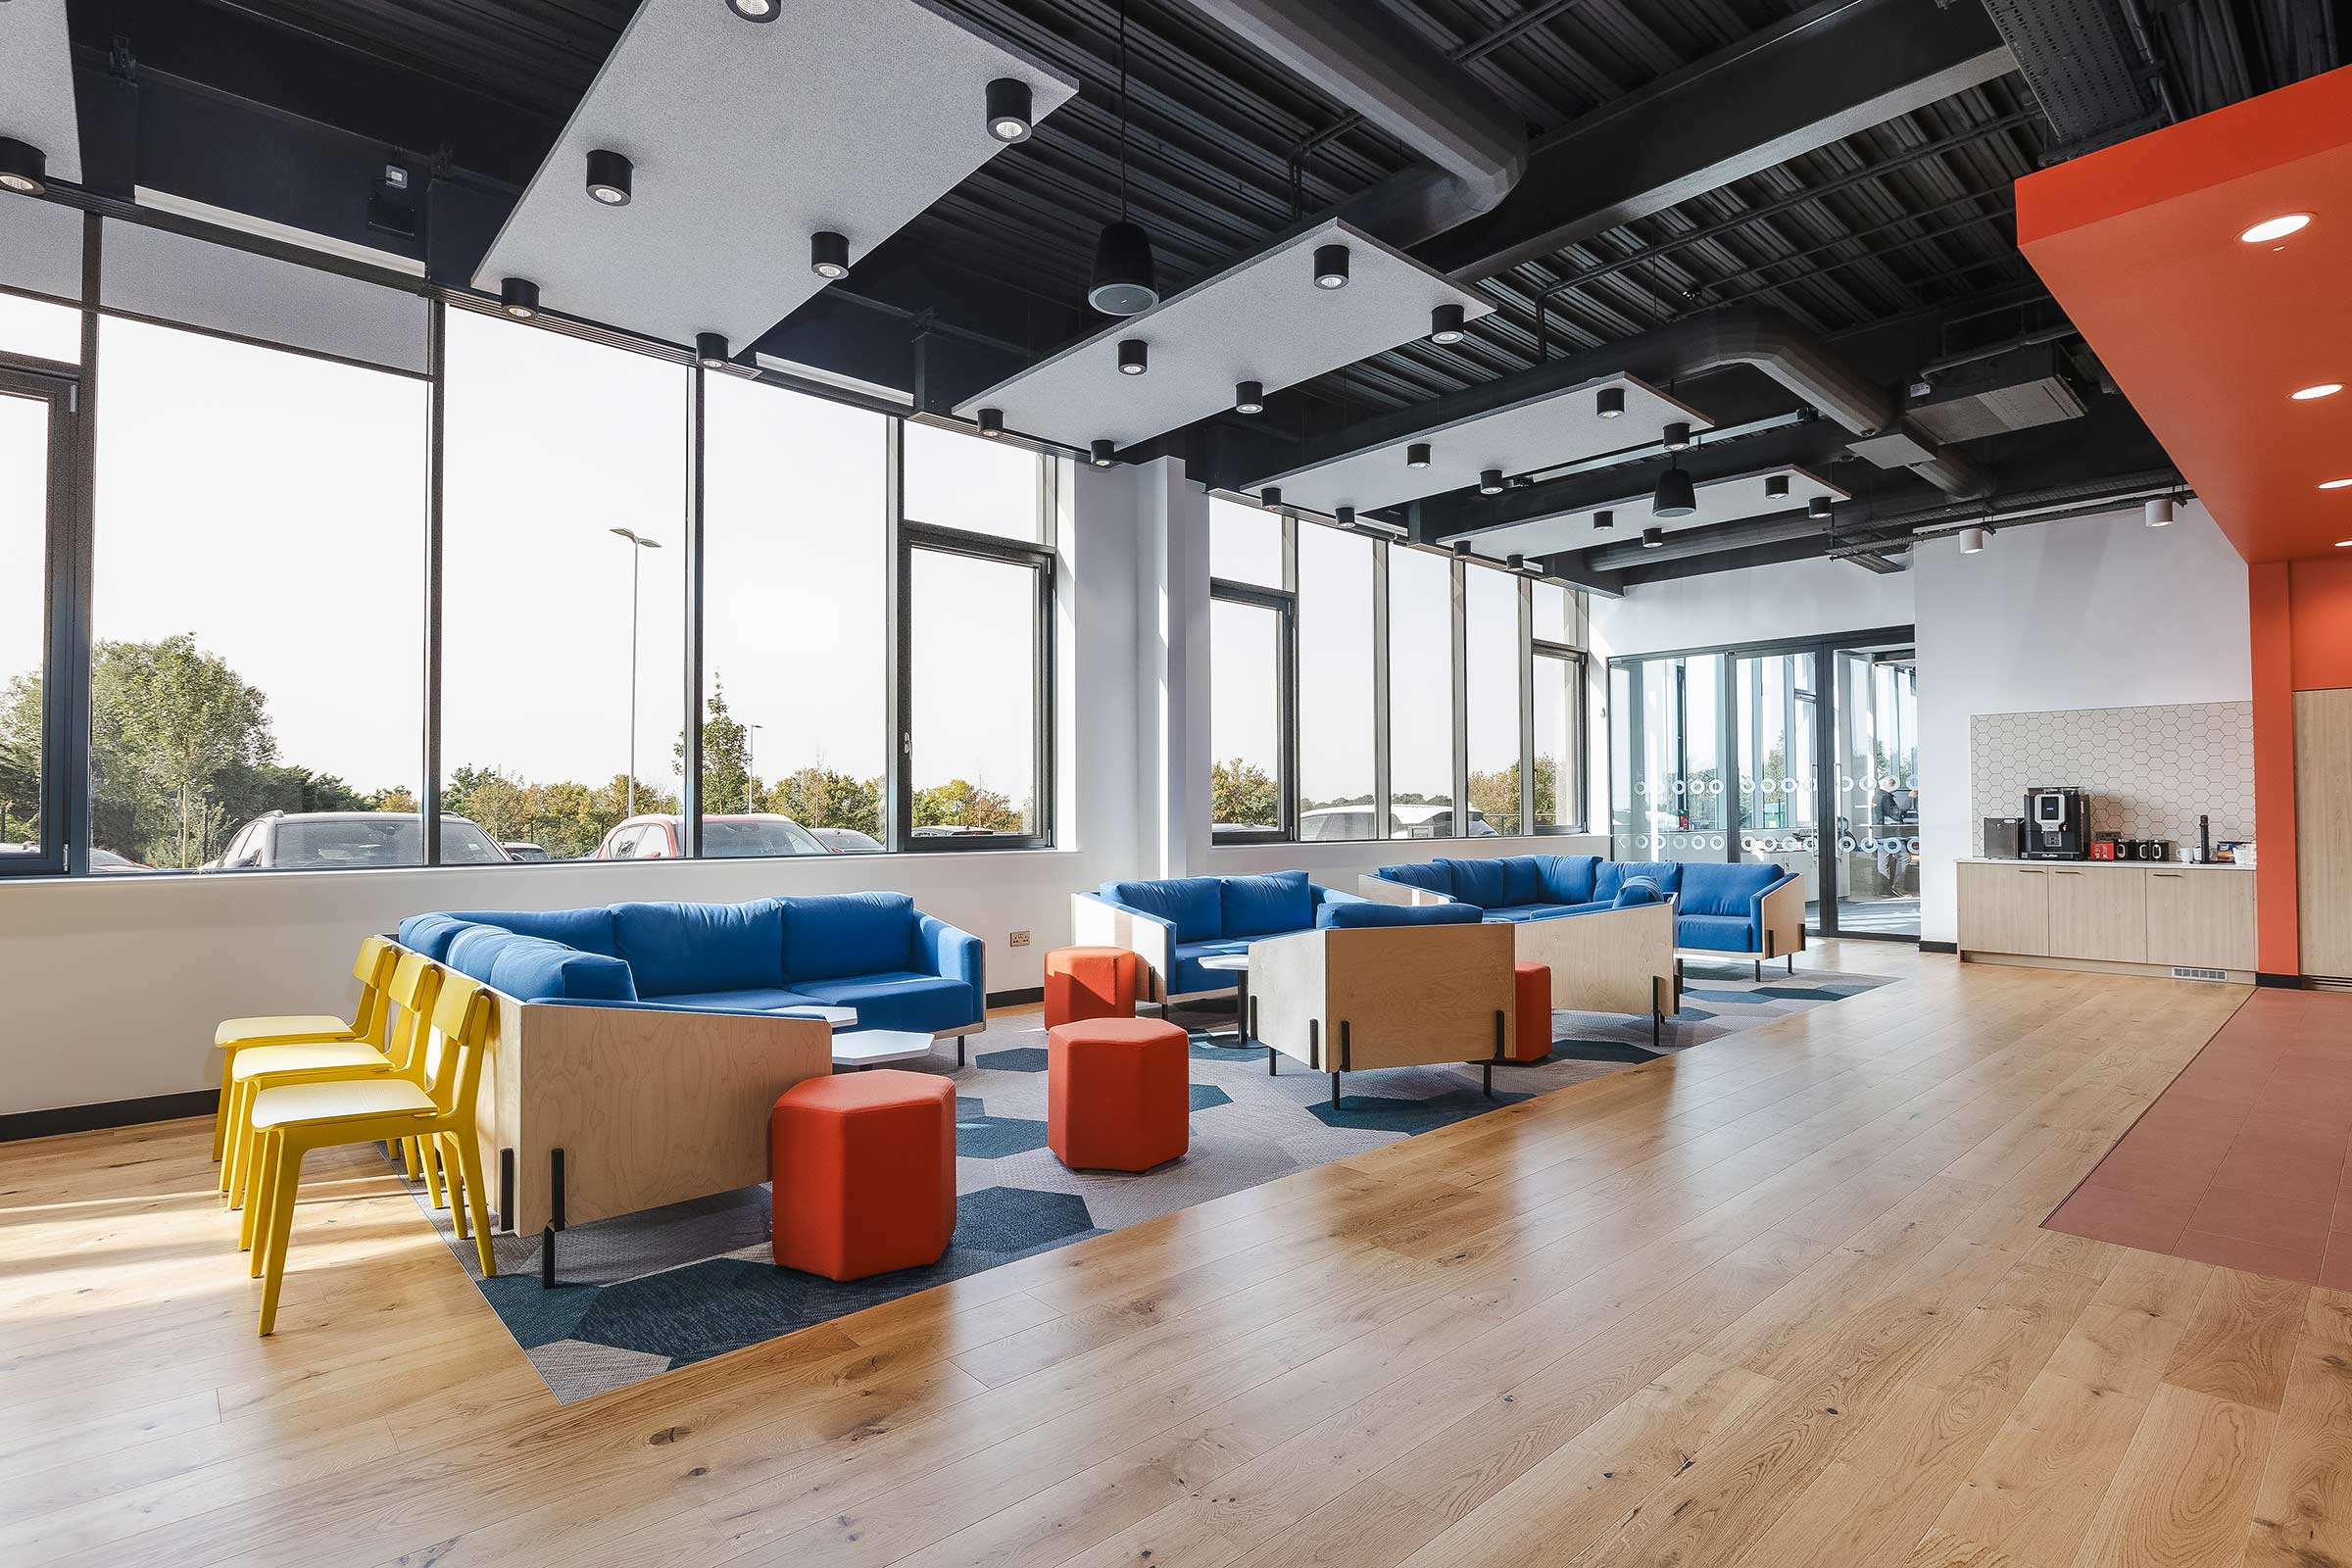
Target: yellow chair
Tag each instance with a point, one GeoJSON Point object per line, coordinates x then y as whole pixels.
{"type": "Point", "coordinates": [409, 996]}
{"type": "Point", "coordinates": [293, 1119]}
{"type": "Point", "coordinates": [371, 969]}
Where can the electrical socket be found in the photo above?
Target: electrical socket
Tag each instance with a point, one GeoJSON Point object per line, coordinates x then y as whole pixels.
{"type": "Point", "coordinates": [1019, 939]}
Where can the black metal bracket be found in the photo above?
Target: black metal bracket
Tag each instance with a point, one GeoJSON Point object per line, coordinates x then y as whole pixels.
{"type": "Point", "coordinates": [547, 1236]}
{"type": "Point", "coordinates": [506, 1189]}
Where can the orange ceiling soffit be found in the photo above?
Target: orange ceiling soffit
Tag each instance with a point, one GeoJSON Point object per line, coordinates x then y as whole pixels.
{"type": "Point", "coordinates": [2208, 334]}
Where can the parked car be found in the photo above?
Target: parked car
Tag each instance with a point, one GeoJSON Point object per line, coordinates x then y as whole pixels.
{"type": "Point", "coordinates": [846, 840]}
{"type": "Point", "coordinates": [749, 833]}
{"type": "Point", "coordinates": [1405, 823]}
{"type": "Point", "coordinates": [326, 840]}
{"type": "Point", "coordinates": [525, 851]}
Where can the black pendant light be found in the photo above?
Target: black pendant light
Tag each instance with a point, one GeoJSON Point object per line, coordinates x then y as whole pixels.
{"type": "Point", "coordinates": [711, 350]}
{"type": "Point", "coordinates": [1250, 397]}
{"type": "Point", "coordinates": [992, 423]}
{"type": "Point", "coordinates": [1123, 283]}
{"type": "Point", "coordinates": [1674, 497]}
{"type": "Point", "coordinates": [1653, 538]}
{"type": "Point", "coordinates": [23, 167]}
{"type": "Point", "coordinates": [1490, 482]}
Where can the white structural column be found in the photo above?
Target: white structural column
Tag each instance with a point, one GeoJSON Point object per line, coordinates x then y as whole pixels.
{"type": "Point", "coordinates": [1171, 671]}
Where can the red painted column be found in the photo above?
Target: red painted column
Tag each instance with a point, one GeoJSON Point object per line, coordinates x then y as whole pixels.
{"type": "Point", "coordinates": [2271, 612]}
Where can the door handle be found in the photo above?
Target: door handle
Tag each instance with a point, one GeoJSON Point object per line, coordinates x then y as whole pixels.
{"type": "Point", "coordinates": [2175, 875]}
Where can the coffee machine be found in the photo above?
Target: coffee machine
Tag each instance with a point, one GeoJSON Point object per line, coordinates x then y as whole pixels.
{"type": "Point", "coordinates": [2055, 830]}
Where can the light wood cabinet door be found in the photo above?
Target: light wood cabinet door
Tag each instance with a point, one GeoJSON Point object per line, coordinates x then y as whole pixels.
{"type": "Point", "coordinates": [2324, 830]}
{"type": "Point", "coordinates": [2202, 920]}
{"type": "Point", "coordinates": [2099, 914]}
{"type": "Point", "coordinates": [2005, 909]}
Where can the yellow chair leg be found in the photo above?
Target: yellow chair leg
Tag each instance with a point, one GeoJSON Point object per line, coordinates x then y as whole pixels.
{"type": "Point", "coordinates": [237, 1171]}
{"type": "Point", "coordinates": [453, 1174]}
{"type": "Point", "coordinates": [469, 1166]}
{"type": "Point", "coordinates": [228, 1059]}
{"type": "Point", "coordinates": [408, 1155]}
{"type": "Point", "coordinates": [431, 1157]}
{"type": "Point", "coordinates": [286, 1170]}
{"type": "Point", "coordinates": [258, 1189]}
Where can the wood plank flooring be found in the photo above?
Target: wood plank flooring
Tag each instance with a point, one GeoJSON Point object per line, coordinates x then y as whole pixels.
{"type": "Point", "coordinates": [1782, 1299]}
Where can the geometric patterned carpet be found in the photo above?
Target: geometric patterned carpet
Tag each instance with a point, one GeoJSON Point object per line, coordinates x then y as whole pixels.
{"type": "Point", "coordinates": [641, 1294]}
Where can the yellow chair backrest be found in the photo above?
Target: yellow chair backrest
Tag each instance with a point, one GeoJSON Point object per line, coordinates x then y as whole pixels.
{"type": "Point", "coordinates": [373, 969]}
{"type": "Point", "coordinates": [463, 1015]}
{"type": "Point", "coordinates": [413, 990]}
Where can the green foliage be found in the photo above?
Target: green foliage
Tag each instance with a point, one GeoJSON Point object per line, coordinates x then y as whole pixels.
{"type": "Point", "coordinates": [821, 797]}
{"type": "Point", "coordinates": [20, 760]}
{"type": "Point", "coordinates": [176, 734]}
{"type": "Point", "coordinates": [567, 820]}
{"type": "Point", "coordinates": [960, 803]}
{"type": "Point", "coordinates": [726, 757]}
{"type": "Point", "coordinates": [1241, 794]}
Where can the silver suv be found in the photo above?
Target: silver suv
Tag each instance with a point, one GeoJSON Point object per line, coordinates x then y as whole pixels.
{"type": "Point", "coordinates": [327, 840]}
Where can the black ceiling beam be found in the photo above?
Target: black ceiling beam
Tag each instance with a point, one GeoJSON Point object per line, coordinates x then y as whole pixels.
{"type": "Point", "coordinates": [1835, 68]}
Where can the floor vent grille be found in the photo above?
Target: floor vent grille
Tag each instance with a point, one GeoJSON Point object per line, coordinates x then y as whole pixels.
{"type": "Point", "coordinates": [2181, 972]}
{"type": "Point", "coordinates": [2327, 982]}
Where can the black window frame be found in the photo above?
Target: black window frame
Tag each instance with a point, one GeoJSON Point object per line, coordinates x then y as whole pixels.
{"type": "Point", "coordinates": [63, 775]}
{"type": "Point", "coordinates": [1283, 605]}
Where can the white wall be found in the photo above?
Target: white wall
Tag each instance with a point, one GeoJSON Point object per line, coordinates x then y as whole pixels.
{"type": "Point", "coordinates": [2092, 613]}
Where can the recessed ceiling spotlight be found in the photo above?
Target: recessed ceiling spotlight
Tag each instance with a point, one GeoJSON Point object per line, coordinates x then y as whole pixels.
{"type": "Point", "coordinates": [608, 176]}
{"type": "Point", "coordinates": [1490, 483]}
{"type": "Point", "coordinates": [1250, 397]}
{"type": "Point", "coordinates": [2335, 484]}
{"type": "Point", "coordinates": [2343, 544]}
{"type": "Point", "coordinates": [2309, 394]}
{"type": "Point", "coordinates": [1134, 356]}
{"type": "Point", "coordinates": [1972, 541]}
{"type": "Point", "coordinates": [991, 423]}
{"type": "Point", "coordinates": [1344, 517]}
{"type": "Point", "coordinates": [1416, 456]}
{"type": "Point", "coordinates": [1008, 108]}
{"type": "Point", "coordinates": [1677, 437]}
{"type": "Point", "coordinates": [1445, 325]}
{"type": "Point", "coordinates": [754, 10]}
{"type": "Point", "coordinates": [2270, 228]}
{"type": "Point", "coordinates": [2157, 513]}
{"type": "Point", "coordinates": [711, 350]}
{"type": "Point", "coordinates": [828, 255]}
{"type": "Point", "coordinates": [1653, 538]}
{"type": "Point", "coordinates": [1775, 488]}
{"type": "Point", "coordinates": [1331, 267]}
{"type": "Point", "coordinates": [518, 297]}
{"type": "Point", "coordinates": [1818, 509]}
{"type": "Point", "coordinates": [1101, 451]}
{"type": "Point", "coordinates": [1609, 402]}
{"type": "Point", "coordinates": [1604, 519]}
{"type": "Point", "coordinates": [1674, 496]}
{"type": "Point", "coordinates": [23, 167]}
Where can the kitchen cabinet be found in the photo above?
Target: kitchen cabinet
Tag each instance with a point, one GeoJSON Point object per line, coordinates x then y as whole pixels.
{"type": "Point", "coordinates": [2099, 913]}
{"type": "Point", "coordinates": [2005, 909]}
{"type": "Point", "coordinates": [2202, 920]}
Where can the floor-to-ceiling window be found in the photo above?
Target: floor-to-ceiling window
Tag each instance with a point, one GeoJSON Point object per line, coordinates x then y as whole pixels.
{"type": "Point", "coordinates": [1494, 670]}
{"type": "Point", "coordinates": [1421, 693]}
{"type": "Point", "coordinates": [1878, 789]}
{"type": "Point", "coordinates": [1338, 716]}
{"type": "Point", "coordinates": [33, 464]}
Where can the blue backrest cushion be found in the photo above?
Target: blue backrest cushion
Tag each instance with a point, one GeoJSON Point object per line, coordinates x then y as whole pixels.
{"type": "Point", "coordinates": [1261, 905]}
{"type": "Point", "coordinates": [1356, 917]}
{"type": "Point", "coordinates": [431, 934]}
{"type": "Point", "coordinates": [1566, 878]}
{"type": "Point", "coordinates": [1194, 904]}
{"type": "Point", "coordinates": [1637, 890]}
{"type": "Point", "coordinates": [1430, 876]}
{"type": "Point", "coordinates": [534, 969]}
{"type": "Point", "coordinates": [678, 947]}
{"type": "Point", "coordinates": [1485, 883]}
{"type": "Point", "coordinates": [1714, 888]}
{"type": "Point", "coordinates": [836, 935]}
{"type": "Point", "coordinates": [1524, 873]}
{"type": "Point", "coordinates": [1610, 875]}
{"type": "Point", "coordinates": [588, 930]}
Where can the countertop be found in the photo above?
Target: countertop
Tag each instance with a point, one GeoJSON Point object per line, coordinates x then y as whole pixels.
{"type": "Point", "coordinates": [2105, 866]}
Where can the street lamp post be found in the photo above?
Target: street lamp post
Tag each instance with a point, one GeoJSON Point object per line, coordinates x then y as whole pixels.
{"type": "Point", "coordinates": [751, 769]}
{"type": "Point", "coordinates": [637, 544]}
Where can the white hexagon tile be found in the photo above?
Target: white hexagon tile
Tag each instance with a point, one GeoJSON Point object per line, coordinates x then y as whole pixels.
{"type": "Point", "coordinates": [2145, 772]}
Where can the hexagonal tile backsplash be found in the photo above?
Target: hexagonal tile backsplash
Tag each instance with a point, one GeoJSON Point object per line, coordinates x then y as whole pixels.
{"type": "Point", "coordinates": [2144, 772]}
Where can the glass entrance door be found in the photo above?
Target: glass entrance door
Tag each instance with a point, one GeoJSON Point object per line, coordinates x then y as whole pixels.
{"type": "Point", "coordinates": [1877, 798]}
{"type": "Point", "coordinates": [1776, 736]}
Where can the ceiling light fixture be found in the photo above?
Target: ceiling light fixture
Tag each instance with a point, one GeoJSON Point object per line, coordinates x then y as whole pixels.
{"type": "Point", "coordinates": [1775, 488]}
{"type": "Point", "coordinates": [2312, 394]}
{"type": "Point", "coordinates": [2157, 513]}
{"type": "Point", "coordinates": [1461, 548]}
{"type": "Point", "coordinates": [2335, 484]}
{"type": "Point", "coordinates": [1101, 451]}
{"type": "Point", "coordinates": [1653, 538]}
{"type": "Point", "coordinates": [2343, 544]}
{"type": "Point", "coordinates": [1972, 541]}
{"type": "Point", "coordinates": [754, 10]}
{"type": "Point", "coordinates": [1818, 509]}
{"type": "Point", "coordinates": [1271, 495]}
{"type": "Point", "coordinates": [23, 167]}
{"type": "Point", "coordinates": [1134, 356]}
{"type": "Point", "coordinates": [2270, 228]}
{"type": "Point", "coordinates": [1122, 282]}
{"type": "Point", "coordinates": [1674, 496]}
{"type": "Point", "coordinates": [1677, 437]}
{"type": "Point", "coordinates": [1250, 397]}
{"type": "Point", "coordinates": [1515, 561]}
{"type": "Point", "coordinates": [1331, 267]}
{"type": "Point", "coordinates": [1344, 517]}
{"type": "Point", "coordinates": [518, 297]}
{"type": "Point", "coordinates": [1604, 519]}
{"type": "Point", "coordinates": [829, 255]}
{"type": "Point", "coordinates": [1445, 325]}
{"type": "Point", "coordinates": [1416, 456]}
{"type": "Point", "coordinates": [1609, 402]}
{"type": "Point", "coordinates": [1007, 109]}
{"type": "Point", "coordinates": [992, 423]}
{"type": "Point", "coordinates": [711, 350]}
{"type": "Point", "coordinates": [1490, 483]}
{"type": "Point", "coordinates": [608, 176]}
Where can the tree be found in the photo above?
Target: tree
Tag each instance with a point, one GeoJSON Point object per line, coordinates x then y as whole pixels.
{"type": "Point", "coordinates": [1242, 794]}
{"type": "Point", "coordinates": [168, 720]}
{"type": "Point", "coordinates": [1496, 794]}
{"type": "Point", "coordinates": [960, 803]}
{"type": "Point", "coordinates": [20, 760]}
{"type": "Point", "coordinates": [819, 797]}
{"type": "Point", "coordinates": [726, 778]}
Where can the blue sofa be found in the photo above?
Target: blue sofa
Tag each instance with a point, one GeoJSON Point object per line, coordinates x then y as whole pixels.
{"type": "Point", "coordinates": [1172, 923]}
{"type": "Point", "coordinates": [874, 951]}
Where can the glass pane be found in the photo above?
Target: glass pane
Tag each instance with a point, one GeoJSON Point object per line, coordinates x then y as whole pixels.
{"type": "Point", "coordinates": [1555, 621]}
{"type": "Point", "coordinates": [795, 721]}
{"type": "Point", "coordinates": [1491, 632]}
{"type": "Point", "coordinates": [562, 646]}
{"type": "Point", "coordinates": [258, 609]}
{"type": "Point", "coordinates": [1776, 794]}
{"type": "Point", "coordinates": [39, 328]}
{"type": "Point", "coordinates": [24, 617]}
{"type": "Point", "coordinates": [1421, 696]}
{"type": "Point", "coordinates": [973, 636]}
{"type": "Point", "coordinates": [1667, 787]}
{"type": "Point", "coordinates": [1245, 543]}
{"type": "Point", "coordinates": [1559, 744]}
{"type": "Point", "coordinates": [1335, 685]}
{"type": "Point", "coordinates": [1245, 718]}
{"type": "Point", "coordinates": [963, 481]}
{"type": "Point", "coordinates": [1878, 791]}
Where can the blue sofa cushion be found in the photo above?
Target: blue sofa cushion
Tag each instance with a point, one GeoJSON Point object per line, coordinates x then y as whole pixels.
{"type": "Point", "coordinates": [1610, 876]}
{"type": "Point", "coordinates": [1718, 932]}
{"type": "Point", "coordinates": [1566, 878]}
{"type": "Point", "coordinates": [1516, 914]}
{"type": "Point", "coordinates": [1485, 883]}
{"type": "Point", "coordinates": [1192, 904]}
{"type": "Point", "coordinates": [1364, 914]}
{"type": "Point", "coordinates": [1430, 876]}
{"type": "Point", "coordinates": [535, 969]}
{"type": "Point", "coordinates": [588, 930]}
{"type": "Point", "coordinates": [898, 998]}
{"type": "Point", "coordinates": [834, 935]}
{"type": "Point", "coordinates": [431, 934]}
{"type": "Point", "coordinates": [1264, 905]}
{"type": "Point", "coordinates": [1715, 888]}
{"type": "Point", "coordinates": [1190, 976]}
{"type": "Point", "coordinates": [678, 947]}
{"type": "Point", "coordinates": [1637, 890]}
{"type": "Point", "coordinates": [758, 999]}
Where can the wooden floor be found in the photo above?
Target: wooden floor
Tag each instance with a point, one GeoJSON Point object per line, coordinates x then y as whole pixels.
{"type": "Point", "coordinates": [1781, 1299]}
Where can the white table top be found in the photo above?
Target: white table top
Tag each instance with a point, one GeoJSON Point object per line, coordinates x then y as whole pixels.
{"type": "Point", "coordinates": [838, 1017]}
{"type": "Point", "coordinates": [872, 1045]}
{"type": "Point", "coordinates": [1226, 960]}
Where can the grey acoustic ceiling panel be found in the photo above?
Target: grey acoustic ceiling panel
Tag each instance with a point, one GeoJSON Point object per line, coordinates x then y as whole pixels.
{"type": "Point", "coordinates": [1730, 500]}
{"type": "Point", "coordinates": [41, 246]}
{"type": "Point", "coordinates": [1263, 320]}
{"type": "Point", "coordinates": [850, 116]}
{"type": "Point", "coordinates": [36, 83]}
{"type": "Point", "coordinates": [1544, 432]}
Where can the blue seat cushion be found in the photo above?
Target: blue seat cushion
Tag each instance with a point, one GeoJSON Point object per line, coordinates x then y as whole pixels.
{"type": "Point", "coordinates": [534, 969]}
{"type": "Point", "coordinates": [1264, 905]}
{"type": "Point", "coordinates": [1364, 914]}
{"type": "Point", "coordinates": [1192, 904]}
{"type": "Point", "coordinates": [1566, 878]}
{"type": "Point", "coordinates": [1190, 976]}
{"type": "Point", "coordinates": [1517, 913]}
{"type": "Point", "coordinates": [1637, 890]}
{"type": "Point", "coordinates": [588, 930]}
{"type": "Point", "coordinates": [1715, 888]}
{"type": "Point", "coordinates": [431, 934]}
{"type": "Point", "coordinates": [1610, 875]}
{"type": "Point", "coordinates": [1718, 932]}
{"type": "Point", "coordinates": [835, 935]}
{"type": "Point", "coordinates": [900, 998]}
{"type": "Point", "coordinates": [758, 999]}
{"type": "Point", "coordinates": [1430, 876]}
{"type": "Point", "coordinates": [1491, 884]}
{"type": "Point", "coordinates": [673, 949]}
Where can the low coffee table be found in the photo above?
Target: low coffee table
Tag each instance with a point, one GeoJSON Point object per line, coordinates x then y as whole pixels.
{"type": "Point", "coordinates": [1236, 964]}
{"type": "Point", "coordinates": [871, 1048]}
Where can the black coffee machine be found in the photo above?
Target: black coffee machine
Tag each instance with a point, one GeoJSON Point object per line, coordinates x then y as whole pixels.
{"type": "Point", "coordinates": [2055, 830]}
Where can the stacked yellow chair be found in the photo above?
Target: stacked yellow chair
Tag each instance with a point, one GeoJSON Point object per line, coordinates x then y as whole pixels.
{"type": "Point", "coordinates": [291, 1121]}
{"type": "Point", "coordinates": [372, 970]}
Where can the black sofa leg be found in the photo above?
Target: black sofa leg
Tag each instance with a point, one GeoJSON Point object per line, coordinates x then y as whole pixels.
{"type": "Point", "coordinates": [1486, 1074]}
{"type": "Point", "coordinates": [1792, 963]}
{"type": "Point", "coordinates": [547, 1235]}
{"type": "Point", "coordinates": [1759, 968]}
{"type": "Point", "coordinates": [1273, 1069]}
{"type": "Point", "coordinates": [959, 1051]}
{"type": "Point", "coordinates": [1335, 1091]}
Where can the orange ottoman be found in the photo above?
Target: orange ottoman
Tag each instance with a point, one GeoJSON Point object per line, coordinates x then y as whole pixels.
{"type": "Point", "coordinates": [1119, 1093]}
{"type": "Point", "coordinates": [1091, 983]}
{"type": "Point", "coordinates": [1534, 1011]}
{"type": "Point", "coordinates": [865, 1172]}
